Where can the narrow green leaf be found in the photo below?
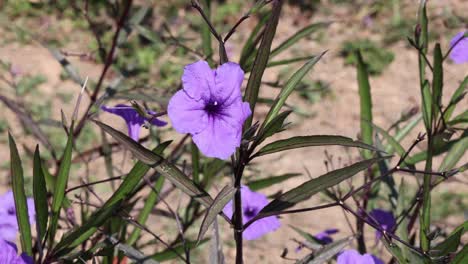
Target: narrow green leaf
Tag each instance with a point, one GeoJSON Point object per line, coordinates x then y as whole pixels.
{"type": "Point", "coordinates": [131, 252]}
{"type": "Point", "coordinates": [312, 241]}
{"type": "Point", "coordinates": [87, 229]}
{"type": "Point", "coordinates": [457, 96]}
{"type": "Point", "coordinates": [289, 61]}
{"type": "Point", "coordinates": [171, 172]}
{"type": "Point", "coordinates": [390, 140]}
{"type": "Point", "coordinates": [261, 60]}
{"type": "Point", "coordinates": [403, 132]}
{"type": "Point", "coordinates": [150, 203]}
{"type": "Point", "coordinates": [396, 251]}
{"type": "Point", "coordinates": [289, 88]}
{"type": "Point", "coordinates": [437, 80]}
{"type": "Point", "coordinates": [40, 196]}
{"type": "Point", "coordinates": [60, 186]}
{"type": "Point", "coordinates": [309, 141]}
{"type": "Point", "coordinates": [21, 205]}
{"type": "Point", "coordinates": [456, 152]}
{"type": "Point", "coordinates": [267, 182]}
{"type": "Point", "coordinates": [314, 186]}
{"type": "Point", "coordinates": [462, 256]}
{"type": "Point", "coordinates": [219, 202]}
{"type": "Point", "coordinates": [461, 118]}
{"type": "Point", "coordinates": [205, 31]}
{"type": "Point", "coordinates": [248, 51]}
{"type": "Point", "coordinates": [450, 244]}
{"type": "Point", "coordinates": [304, 32]}
{"type": "Point", "coordinates": [427, 105]}
{"type": "Point", "coordinates": [273, 127]}
{"type": "Point", "coordinates": [365, 100]}
{"type": "Point", "coordinates": [328, 251]}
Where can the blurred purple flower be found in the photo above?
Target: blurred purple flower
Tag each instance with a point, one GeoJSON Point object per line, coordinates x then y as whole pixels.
{"type": "Point", "coordinates": [324, 237]}
{"type": "Point", "coordinates": [133, 119]}
{"type": "Point", "coordinates": [210, 107]}
{"type": "Point", "coordinates": [351, 256]}
{"type": "Point", "coordinates": [384, 219]}
{"type": "Point", "coordinates": [252, 203]}
{"type": "Point", "coordinates": [8, 223]}
{"type": "Point", "coordinates": [9, 254]}
{"type": "Point", "coordinates": [459, 53]}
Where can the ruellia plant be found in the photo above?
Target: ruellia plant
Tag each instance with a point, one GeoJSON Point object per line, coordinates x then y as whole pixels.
{"type": "Point", "coordinates": [215, 129]}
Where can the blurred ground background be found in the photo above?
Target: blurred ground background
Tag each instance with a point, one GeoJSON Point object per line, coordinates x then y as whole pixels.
{"type": "Point", "coordinates": [329, 103]}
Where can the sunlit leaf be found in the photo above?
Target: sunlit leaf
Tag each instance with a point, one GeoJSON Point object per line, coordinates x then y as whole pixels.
{"type": "Point", "coordinates": [17, 182]}
{"type": "Point", "coordinates": [219, 202]}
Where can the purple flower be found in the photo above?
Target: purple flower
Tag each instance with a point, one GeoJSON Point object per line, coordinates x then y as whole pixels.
{"type": "Point", "coordinates": [384, 219]}
{"type": "Point", "coordinates": [324, 237]}
{"type": "Point", "coordinates": [8, 223]}
{"type": "Point", "coordinates": [351, 256]}
{"type": "Point", "coordinates": [252, 203]}
{"type": "Point", "coordinates": [9, 254]}
{"type": "Point", "coordinates": [459, 53]}
{"type": "Point", "coordinates": [210, 107]}
{"type": "Point", "coordinates": [133, 119]}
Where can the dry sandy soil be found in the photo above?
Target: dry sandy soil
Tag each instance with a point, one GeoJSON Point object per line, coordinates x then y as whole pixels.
{"type": "Point", "coordinates": [395, 91]}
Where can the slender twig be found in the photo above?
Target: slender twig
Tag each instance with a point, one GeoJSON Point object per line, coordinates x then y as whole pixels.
{"type": "Point", "coordinates": [93, 183]}
{"type": "Point", "coordinates": [108, 63]}
{"type": "Point", "coordinates": [419, 49]}
{"type": "Point", "coordinates": [197, 6]}
{"type": "Point", "coordinates": [233, 29]}
{"type": "Point", "coordinates": [453, 46]}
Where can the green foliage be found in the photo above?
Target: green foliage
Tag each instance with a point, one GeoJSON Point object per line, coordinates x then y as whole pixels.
{"type": "Point", "coordinates": [375, 57]}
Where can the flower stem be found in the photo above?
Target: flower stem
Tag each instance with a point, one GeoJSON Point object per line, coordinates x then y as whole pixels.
{"type": "Point", "coordinates": [237, 216]}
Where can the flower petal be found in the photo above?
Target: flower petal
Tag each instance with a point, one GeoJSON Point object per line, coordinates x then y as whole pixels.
{"type": "Point", "coordinates": [228, 81]}
{"type": "Point", "coordinates": [218, 139]}
{"type": "Point", "coordinates": [459, 53]}
{"type": "Point", "coordinates": [198, 80]}
{"type": "Point", "coordinates": [261, 227]}
{"type": "Point", "coordinates": [187, 115]}
{"type": "Point", "coordinates": [235, 114]}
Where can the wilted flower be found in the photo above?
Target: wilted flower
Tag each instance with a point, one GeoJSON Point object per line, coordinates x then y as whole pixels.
{"type": "Point", "coordinates": [351, 256]}
{"type": "Point", "coordinates": [9, 254]}
{"type": "Point", "coordinates": [384, 219]}
{"type": "Point", "coordinates": [252, 203]}
{"type": "Point", "coordinates": [210, 107]}
{"type": "Point", "coordinates": [8, 223]}
{"type": "Point", "coordinates": [459, 53]}
{"type": "Point", "coordinates": [133, 119]}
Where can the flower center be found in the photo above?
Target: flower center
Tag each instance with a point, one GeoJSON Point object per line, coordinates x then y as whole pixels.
{"type": "Point", "coordinates": [11, 211]}
{"type": "Point", "coordinates": [250, 212]}
{"type": "Point", "coordinates": [213, 107]}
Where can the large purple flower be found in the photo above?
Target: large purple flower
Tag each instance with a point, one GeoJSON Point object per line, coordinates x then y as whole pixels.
{"type": "Point", "coordinates": [384, 219]}
{"type": "Point", "coordinates": [459, 53]}
{"type": "Point", "coordinates": [351, 256]}
{"type": "Point", "coordinates": [9, 254]}
{"type": "Point", "coordinates": [133, 119]}
{"type": "Point", "coordinates": [8, 223]}
{"type": "Point", "coordinates": [210, 107]}
{"type": "Point", "coordinates": [252, 203]}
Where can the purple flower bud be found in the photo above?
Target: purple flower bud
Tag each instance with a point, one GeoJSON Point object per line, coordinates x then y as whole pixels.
{"type": "Point", "coordinates": [210, 108]}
